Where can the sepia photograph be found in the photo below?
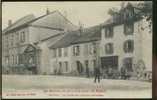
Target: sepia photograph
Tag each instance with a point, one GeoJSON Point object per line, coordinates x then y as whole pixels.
{"type": "Point", "coordinates": [77, 49]}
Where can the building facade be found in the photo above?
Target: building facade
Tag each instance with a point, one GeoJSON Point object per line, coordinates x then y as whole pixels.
{"type": "Point", "coordinates": [25, 42]}
{"type": "Point", "coordinates": [77, 52]}
{"type": "Point", "coordinates": [118, 43]}
{"type": "Point", "coordinates": [123, 43]}
{"type": "Point", "coordinates": [51, 44]}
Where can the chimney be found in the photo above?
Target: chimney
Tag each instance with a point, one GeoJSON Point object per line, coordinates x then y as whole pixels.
{"type": "Point", "coordinates": [9, 22]}
{"type": "Point", "coordinates": [47, 11]}
{"type": "Point", "coordinates": [80, 28]}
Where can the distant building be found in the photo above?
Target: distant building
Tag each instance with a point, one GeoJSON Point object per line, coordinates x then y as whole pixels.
{"type": "Point", "coordinates": [25, 42]}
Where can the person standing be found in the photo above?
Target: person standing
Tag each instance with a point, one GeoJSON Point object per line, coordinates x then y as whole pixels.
{"type": "Point", "coordinates": [97, 74]}
{"type": "Point", "coordinates": [87, 71]}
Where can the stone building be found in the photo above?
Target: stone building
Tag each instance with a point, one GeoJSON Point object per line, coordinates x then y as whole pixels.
{"type": "Point", "coordinates": [77, 51]}
{"type": "Point", "coordinates": [124, 40]}
{"type": "Point", "coordinates": [51, 44]}
{"type": "Point", "coordinates": [25, 42]}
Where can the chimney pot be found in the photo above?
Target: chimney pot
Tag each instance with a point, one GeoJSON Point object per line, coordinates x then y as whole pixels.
{"type": "Point", "coordinates": [47, 11]}
{"type": "Point", "coordinates": [9, 22]}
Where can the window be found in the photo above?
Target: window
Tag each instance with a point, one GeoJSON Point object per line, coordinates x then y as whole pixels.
{"type": "Point", "coordinates": [22, 37]}
{"type": "Point", "coordinates": [76, 50]}
{"type": "Point", "coordinates": [17, 59]}
{"type": "Point", "coordinates": [54, 52]}
{"type": "Point", "coordinates": [60, 52]}
{"type": "Point", "coordinates": [79, 66]}
{"type": "Point", "coordinates": [128, 13]}
{"type": "Point", "coordinates": [109, 48]}
{"type": "Point", "coordinates": [60, 67]}
{"type": "Point", "coordinates": [86, 62]}
{"type": "Point", "coordinates": [17, 38]}
{"type": "Point", "coordinates": [7, 43]}
{"type": "Point", "coordinates": [21, 58]}
{"type": "Point", "coordinates": [65, 52]}
{"type": "Point", "coordinates": [94, 63]}
{"type": "Point", "coordinates": [73, 50]}
{"type": "Point", "coordinates": [128, 28]}
{"type": "Point", "coordinates": [12, 40]}
{"type": "Point", "coordinates": [87, 67]}
{"type": "Point", "coordinates": [128, 46]}
{"type": "Point", "coordinates": [93, 48]}
{"type": "Point", "coordinates": [66, 66]}
{"type": "Point", "coordinates": [109, 32]}
{"type": "Point", "coordinates": [12, 59]}
{"type": "Point", "coordinates": [31, 59]}
{"type": "Point", "coordinates": [103, 31]}
{"type": "Point", "coordinates": [7, 59]}
{"type": "Point", "coordinates": [86, 49]}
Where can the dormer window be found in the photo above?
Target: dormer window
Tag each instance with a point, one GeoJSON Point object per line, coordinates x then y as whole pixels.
{"type": "Point", "coordinates": [128, 13]}
{"type": "Point", "coordinates": [109, 32]}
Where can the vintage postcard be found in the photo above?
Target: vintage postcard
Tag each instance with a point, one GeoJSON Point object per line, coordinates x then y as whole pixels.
{"type": "Point", "coordinates": [77, 49]}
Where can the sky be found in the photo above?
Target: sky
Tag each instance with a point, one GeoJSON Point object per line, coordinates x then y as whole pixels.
{"type": "Point", "coordinates": [88, 13]}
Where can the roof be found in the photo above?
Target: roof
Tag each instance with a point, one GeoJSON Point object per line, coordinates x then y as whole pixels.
{"type": "Point", "coordinates": [54, 20]}
{"type": "Point", "coordinates": [20, 22]}
{"type": "Point", "coordinates": [66, 40]}
{"type": "Point", "coordinates": [73, 37]}
{"type": "Point", "coordinates": [89, 34]}
{"type": "Point", "coordinates": [111, 20]}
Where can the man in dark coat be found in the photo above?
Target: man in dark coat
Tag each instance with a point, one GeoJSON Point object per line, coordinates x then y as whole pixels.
{"type": "Point", "coordinates": [97, 74]}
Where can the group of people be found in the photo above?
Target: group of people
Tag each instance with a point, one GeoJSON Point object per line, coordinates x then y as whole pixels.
{"type": "Point", "coordinates": [123, 74]}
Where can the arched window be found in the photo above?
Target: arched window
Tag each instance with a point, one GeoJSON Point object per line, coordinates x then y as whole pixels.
{"type": "Point", "coordinates": [128, 46]}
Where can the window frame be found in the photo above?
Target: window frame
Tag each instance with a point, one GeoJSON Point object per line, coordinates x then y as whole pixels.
{"type": "Point", "coordinates": [109, 48]}
{"type": "Point", "coordinates": [127, 61]}
{"type": "Point", "coordinates": [130, 26]}
{"type": "Point", "coordinates": [54, 52]}
{"type": "Point", "coordinates": [76, 50]}
{"type": "Point", "coordinates": [59, 52]}
{"type": "Point", "coordinates": [65, 51]}
{"type": "Point", "coordinates": [128, 46]}
{"type": "Point", "coordinates": [109, 32]}
{"type": "Point", "coordinates": [23, 37]}
{"type": "Point", "coordinates": [66, 66]}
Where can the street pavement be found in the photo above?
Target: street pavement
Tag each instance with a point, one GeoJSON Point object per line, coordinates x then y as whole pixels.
{"type": "Point", "coordinates": [48, 83]}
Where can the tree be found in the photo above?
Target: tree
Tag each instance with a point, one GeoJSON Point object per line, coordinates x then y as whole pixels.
{"type": "Point", "coordinates": [145, 10]}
